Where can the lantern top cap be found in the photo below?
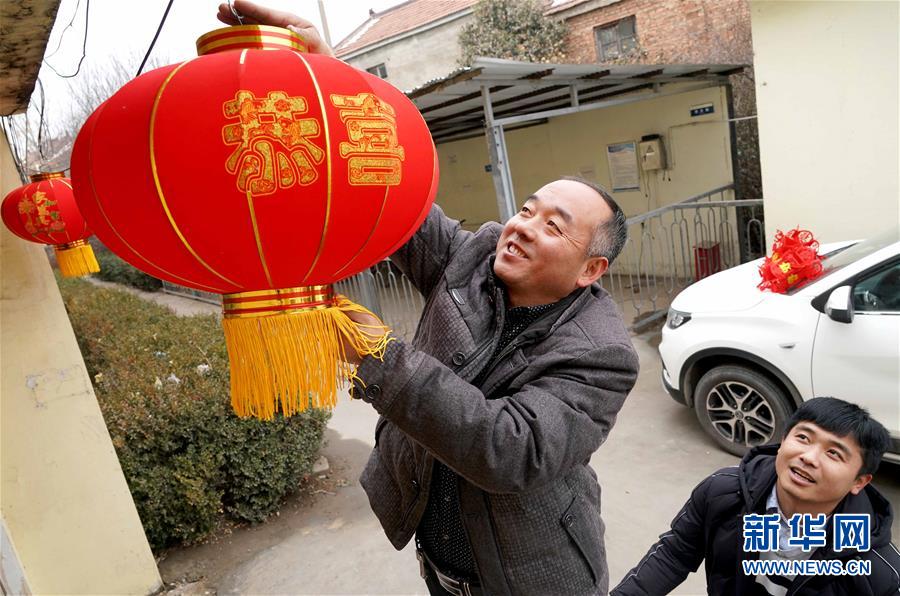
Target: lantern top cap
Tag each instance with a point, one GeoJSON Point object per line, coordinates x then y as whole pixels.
{"type": "Point", "coordinates": [242, 37]}
{"type": "Point", "coordinates": [46, 176]}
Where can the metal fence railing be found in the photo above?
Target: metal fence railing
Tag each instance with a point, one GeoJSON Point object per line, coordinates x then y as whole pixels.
{"type": "Point", "coordinates": [170, 288]}
{"type": "Point", "coordinates": [674, 246]}
{"type": "Point", "coordinates": [667, 250]}
{"type": "Point", "coordinates": [384, 290]}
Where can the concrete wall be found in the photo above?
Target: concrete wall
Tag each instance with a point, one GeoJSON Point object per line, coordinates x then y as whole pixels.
{"type": "Point", "coordinates": [417, 59]}
{"type": "Point", "coordinates": [65, 505]}
{"type": "Point", "coordinates": [699, 153]}
{"type": "Point", "coordinates": [827, 95]}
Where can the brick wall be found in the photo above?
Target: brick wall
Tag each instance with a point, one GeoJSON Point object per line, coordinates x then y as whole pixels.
{"type": "Point", "coordinates": [669, 31]}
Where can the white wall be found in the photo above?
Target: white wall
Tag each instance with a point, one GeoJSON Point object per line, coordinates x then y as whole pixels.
{"type": "Point", "coordinates": [67, 515]}
{"type": "Point", "coordinates": [417, 59]}
{"type": "Point", "coordinates": [827, 97]}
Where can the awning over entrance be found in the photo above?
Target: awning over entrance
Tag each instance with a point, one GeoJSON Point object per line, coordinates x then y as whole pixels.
{"type": "Point", "coordinates": [454, 105]}
{"type": "Point", "coordinates": [494, 95]}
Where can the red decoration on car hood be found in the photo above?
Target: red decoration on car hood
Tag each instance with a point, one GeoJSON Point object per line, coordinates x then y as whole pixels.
{"type": "Point", "coordinates": [795, 258]}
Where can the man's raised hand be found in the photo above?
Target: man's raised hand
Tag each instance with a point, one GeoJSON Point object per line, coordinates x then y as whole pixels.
{"type": "Point", "coordinates": [254, 14]}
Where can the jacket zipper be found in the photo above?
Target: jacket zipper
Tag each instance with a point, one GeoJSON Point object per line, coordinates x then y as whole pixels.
{"type": "Point", "coordinates": [488, 342]}
{"type": "Point", "coordinates": [490, 513]}
{"type": "Point", "coordinates": [419, 485]}
{"type": "Point", "coordinates": [484, 346]}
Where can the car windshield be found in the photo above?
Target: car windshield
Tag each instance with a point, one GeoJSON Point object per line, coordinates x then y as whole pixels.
{"type": "Point", "coordinates": [840, 258]}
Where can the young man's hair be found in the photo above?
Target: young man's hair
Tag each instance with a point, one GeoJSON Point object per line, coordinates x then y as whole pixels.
{"type": "Point", "coordinates": [845, 419]}
{"type": "Point", "coordinates": [610, 235]}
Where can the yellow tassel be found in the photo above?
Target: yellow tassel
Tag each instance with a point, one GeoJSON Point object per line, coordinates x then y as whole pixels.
{"type": "Point", "coordinates": [76, 259]}
{"type": "Point", "coordinates": [292, 360]}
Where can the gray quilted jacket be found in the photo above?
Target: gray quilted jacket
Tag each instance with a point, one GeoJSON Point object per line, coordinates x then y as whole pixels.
{"type": "Point", "coordinates": [521, 441]}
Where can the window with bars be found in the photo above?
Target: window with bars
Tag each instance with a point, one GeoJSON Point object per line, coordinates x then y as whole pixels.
{"type": "Point", "coordinates": [616, 40]}
{"type": "Point", "coordinates": [379, 70]}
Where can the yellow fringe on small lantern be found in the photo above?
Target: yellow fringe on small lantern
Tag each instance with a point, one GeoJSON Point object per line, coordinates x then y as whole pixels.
{"type": "Point", "coordinates": [76, 259]}
{"type": "Point", "coordinates": [295, 360]}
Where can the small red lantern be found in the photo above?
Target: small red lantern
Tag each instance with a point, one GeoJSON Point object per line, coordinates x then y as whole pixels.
{"type": "Point", "coordinates": [45, 212]}
{"type": "Point", "coordinates": [264, 174]}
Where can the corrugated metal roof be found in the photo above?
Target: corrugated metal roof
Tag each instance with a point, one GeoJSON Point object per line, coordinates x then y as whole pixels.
{"type": "Point", "coordinates": [453, 106]}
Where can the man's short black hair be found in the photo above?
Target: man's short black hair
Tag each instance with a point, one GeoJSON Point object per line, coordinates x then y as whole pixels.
{"type": "Point", "coordinates": [845, 419]}
{"type": "Point", "coordinates": [610, 235]}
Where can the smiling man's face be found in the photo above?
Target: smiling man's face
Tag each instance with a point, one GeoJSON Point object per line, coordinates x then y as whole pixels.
{"type": "Point", "coordinates": [817, 469]}
{"type": "Point", "coordinates": [542, 252]}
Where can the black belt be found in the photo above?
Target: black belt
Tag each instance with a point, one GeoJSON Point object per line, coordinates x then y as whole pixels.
{"type": "Point", "coordinates": [452, 585]}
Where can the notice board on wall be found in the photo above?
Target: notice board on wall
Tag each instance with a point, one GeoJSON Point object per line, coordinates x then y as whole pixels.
{"type": "Point", "coordinates": [623, 166]}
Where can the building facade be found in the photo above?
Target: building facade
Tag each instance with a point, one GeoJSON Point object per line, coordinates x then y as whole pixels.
{"type": "Point", "coordinates": [409, 44]}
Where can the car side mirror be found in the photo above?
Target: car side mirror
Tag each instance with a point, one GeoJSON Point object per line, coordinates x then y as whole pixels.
{"type": "Point", "coordinates": [839, 306]}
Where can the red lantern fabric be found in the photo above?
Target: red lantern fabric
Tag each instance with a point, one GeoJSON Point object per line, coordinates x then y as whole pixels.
{"type": "Point", "coordinates": [245, 169]}
{"type": "Point", "coordinates": [255, 171]}
{"type": "Point", "coordinates": [45, 212]}
{"type": "Point", "coordinates": [794, 259]}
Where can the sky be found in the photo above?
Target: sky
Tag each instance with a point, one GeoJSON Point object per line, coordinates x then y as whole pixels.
{"type": "Point", "coordinates": [123, 30]}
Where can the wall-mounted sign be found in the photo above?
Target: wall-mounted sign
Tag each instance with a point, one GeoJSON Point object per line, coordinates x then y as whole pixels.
{"type": "Point", "coordinates": [623, 166]}
{"type": "Point", "coordinates": [702, 110]}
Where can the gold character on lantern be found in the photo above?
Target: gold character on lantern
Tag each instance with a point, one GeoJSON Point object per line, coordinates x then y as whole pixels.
{"type": "Point", "coordinates": [273, 142]}
{"type": "Point", "coordinates": [41, 215]}
{"type": "Point", "coordinates": [374, 150]}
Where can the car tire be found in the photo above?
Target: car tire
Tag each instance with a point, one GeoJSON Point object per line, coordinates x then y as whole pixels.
{"type": "Point", "coordinates": [740, 408]}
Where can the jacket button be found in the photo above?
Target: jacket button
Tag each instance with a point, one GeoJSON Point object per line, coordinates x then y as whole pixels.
{"type": "Point", "coordinates": [415, 484]}
{"type": "Point", "coordinates": [569, 519]}
{"type": "Point", "coordinates": [459, 358]}
{"type": "Point", "coordinates": [373, 391]}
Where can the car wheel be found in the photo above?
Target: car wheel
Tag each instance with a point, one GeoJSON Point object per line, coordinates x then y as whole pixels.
{"type": "Point", "coordinates": [740, 408]}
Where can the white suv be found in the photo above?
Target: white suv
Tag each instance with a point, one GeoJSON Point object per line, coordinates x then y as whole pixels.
{"type": "Point", "coordinates": [744, 359]}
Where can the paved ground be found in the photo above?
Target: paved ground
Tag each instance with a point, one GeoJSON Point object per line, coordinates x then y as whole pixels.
{"type": "Point", "coordinates": [329, 542]}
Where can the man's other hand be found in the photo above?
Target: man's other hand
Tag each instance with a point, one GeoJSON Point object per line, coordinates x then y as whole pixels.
{"type": "Point", "coordinates": [370, 326]}
{"type": "Point", "coordinates": [254, 14]}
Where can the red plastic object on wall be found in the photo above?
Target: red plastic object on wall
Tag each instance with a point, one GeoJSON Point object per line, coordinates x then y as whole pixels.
{"type": "Point", "coordinates": [265, 174]}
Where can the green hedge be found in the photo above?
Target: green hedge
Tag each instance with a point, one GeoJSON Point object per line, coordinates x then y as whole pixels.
{"type": "Point", "coordinates": [162, 384]}
{"type": "Point", "coordinates": [112, 268]}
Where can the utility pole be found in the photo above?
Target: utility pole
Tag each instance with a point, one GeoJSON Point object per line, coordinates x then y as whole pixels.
{"type": "Point", "coordinates": [322, 16]}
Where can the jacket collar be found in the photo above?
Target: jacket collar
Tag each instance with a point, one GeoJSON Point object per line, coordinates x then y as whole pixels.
{"type": "Point", "coordinates": [563, 310]}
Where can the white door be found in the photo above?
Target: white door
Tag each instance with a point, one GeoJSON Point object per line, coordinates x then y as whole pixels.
{"type": "Point", "coordinates": [860, 361]}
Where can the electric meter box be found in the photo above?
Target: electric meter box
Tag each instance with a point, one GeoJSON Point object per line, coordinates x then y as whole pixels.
{"type": "Point", "coordinates": [653, 155]}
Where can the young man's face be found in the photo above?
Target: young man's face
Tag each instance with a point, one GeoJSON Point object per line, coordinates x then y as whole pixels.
{"type": "Point", "coordinates": [816, 469]}
{"type": "Point", "coordinates": [542, 252]}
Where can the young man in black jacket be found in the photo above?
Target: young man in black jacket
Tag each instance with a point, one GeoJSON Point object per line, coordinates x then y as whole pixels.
{"type": "Point", "coordinates": [823, 468]}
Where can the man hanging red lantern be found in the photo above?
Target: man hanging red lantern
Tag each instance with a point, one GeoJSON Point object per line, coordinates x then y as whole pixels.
{"type": "Point", "coordinates": [264, 174]}
{"type": "Point", "coordinates": [45, 212]}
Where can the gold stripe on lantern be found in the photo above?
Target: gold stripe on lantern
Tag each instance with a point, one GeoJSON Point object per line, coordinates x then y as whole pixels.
{"type": "Point", "coordinates": [263, 37]}
{"type": "Point", "coordinates": [286, 348]}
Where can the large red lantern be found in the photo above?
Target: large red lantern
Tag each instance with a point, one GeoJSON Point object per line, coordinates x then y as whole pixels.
{"type": "Point", "coordinates": [264, 174]}
{"type": "Point", "coordinates": [45, 212]}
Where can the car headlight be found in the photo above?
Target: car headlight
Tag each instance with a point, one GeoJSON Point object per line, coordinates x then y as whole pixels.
{"type": "Point", "coordinates": [677, 318]}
